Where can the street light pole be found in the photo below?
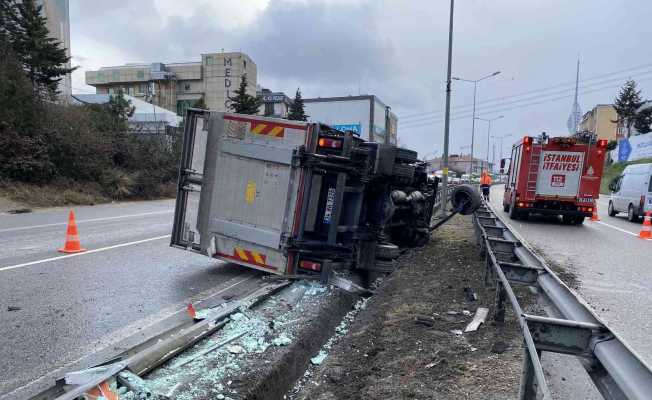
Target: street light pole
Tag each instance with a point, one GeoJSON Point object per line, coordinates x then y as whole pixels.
{"type": "Point", "coordinates": [490, 120]}
{"type": "Point", "coordinates": [448, 110]}
{"type": "Point", "coordinates": [475, 92]}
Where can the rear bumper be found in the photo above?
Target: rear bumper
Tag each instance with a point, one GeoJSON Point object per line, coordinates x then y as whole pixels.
{"type": "Point", "coordinates": [548, 211]}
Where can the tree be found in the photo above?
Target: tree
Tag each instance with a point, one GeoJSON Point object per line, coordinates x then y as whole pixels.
{"type": "Point", "coordinates": [626, 104]}
{"type": "Point", "coordinates": [41, 56]}
{"type": "Point", "coordinates": [200, 103]}
{"type": "Point", "coordinates": [243, 103]}
{"type": "Point", "coordinates": [643, 121]}
{"type": "Point", "coordinates": [297, 112]}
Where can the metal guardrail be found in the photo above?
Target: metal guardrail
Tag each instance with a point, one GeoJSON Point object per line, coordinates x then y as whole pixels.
{"type": "Point", "coordinates": [571, 326]}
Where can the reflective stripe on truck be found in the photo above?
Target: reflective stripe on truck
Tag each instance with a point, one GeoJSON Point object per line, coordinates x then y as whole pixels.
{"type": "Point", "coordinates": [249, 257]}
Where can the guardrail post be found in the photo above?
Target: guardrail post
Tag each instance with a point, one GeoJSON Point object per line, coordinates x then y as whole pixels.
{"type": "Point", "coordinates": [499, 315]}
{"type": "Point", "coordinates": [528, 388]}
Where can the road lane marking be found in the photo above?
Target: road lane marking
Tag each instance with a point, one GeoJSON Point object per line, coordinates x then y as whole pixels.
{"type": "Point", "coordinates": [115, 246]}
{"type": "Point", "coordinates": [79, 221]}
{"type": "Point", "coordinates": [617, 228]}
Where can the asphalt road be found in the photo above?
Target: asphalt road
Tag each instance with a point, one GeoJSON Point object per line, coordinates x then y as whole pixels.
{"type": "Point", "coordinates": [610, 263]}
{"type": "Point", "coordinates": [64, 307]}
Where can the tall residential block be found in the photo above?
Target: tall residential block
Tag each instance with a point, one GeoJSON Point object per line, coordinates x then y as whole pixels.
{"type": "Point", "coordinates": [178, 86]}
{"type": "Point", "coordinates": [57, 13]}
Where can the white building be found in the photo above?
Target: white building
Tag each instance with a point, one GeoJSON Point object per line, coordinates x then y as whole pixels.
{"type": "Point", "coordinates": [365, 115]}
{"type": "Point", "coordinates": [147, 118]}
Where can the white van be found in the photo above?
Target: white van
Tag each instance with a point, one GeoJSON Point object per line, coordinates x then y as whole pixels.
{"type": "Point", "coordinates": [631, 192]}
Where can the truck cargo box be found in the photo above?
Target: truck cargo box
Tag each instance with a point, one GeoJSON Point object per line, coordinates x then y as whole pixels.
{"type": "Point", "coordinates": [287, 197]}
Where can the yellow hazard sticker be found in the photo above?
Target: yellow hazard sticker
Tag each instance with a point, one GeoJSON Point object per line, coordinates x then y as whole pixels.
{"type": "Point", "coordinates": [250, 192]}
{"type": "Point", "coordinates": [444, 171]}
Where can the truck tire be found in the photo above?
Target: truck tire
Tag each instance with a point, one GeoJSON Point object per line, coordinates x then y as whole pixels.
{"type": "Point", "coordinates": [387, 251]}
{"type": "Point", "coordinates": [406, 156]}
{"type": "Point", "coordinates": [579, 220]}
{"type": "Point", "coordinates": [385, 266]}
{"type": "Point", "coordinates": [403, 170]}
{"type": "Point", "coordinates": [468, 195]}
{"type": "Point", "coordinates": [514, 214]}
{"type": "Point", "coordinates": [612, 211]}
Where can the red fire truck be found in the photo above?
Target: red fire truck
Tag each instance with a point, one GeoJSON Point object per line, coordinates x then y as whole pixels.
{"type": "Point", "coordinates": [554, 176]}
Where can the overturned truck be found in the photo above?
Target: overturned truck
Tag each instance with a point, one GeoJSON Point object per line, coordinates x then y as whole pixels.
{"type": "Point", "coordinates": [297, 198]}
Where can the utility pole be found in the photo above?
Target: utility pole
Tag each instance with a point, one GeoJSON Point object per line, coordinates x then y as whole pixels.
{"type": "Point", "coordinates": [447, 118]}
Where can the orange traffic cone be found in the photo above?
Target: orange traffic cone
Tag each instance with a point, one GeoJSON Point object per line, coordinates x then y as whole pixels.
{"type": "Point", "coordinates": [594, 216]}
{"type": "Point", "coordinates": [646, 230]}
{"type": "Point", "coordinates": [72, 238]}
{"type": "Point", "coordinates": [191, 311]}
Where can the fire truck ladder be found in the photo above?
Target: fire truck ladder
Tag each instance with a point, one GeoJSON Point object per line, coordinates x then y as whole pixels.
{"type": "Point", "coordinates": [533, 171]}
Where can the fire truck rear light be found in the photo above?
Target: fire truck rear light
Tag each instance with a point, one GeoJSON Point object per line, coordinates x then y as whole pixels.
{"type": "Point", "coordinates": [330, 143]}
{"type": "Point", "coordinates": [528, 148]}
{"type": "Point", "coordinates": [602, 143]}
{"type": "Point", "coordinates": [521, 204]}
{"type": "Point", "coordinates": [589, 209]}
{"type": "Point", "coordinates": [311, 265]}
{"type": "Point", "coordinates": [527, 140]}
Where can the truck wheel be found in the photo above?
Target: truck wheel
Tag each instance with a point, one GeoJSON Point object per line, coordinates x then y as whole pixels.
{"type": "Point", "coordinates": [467, 194]}
{"type": "Point", "coordinates": [612, 212]}
{"type": "Point", "coordinates": [387, 251]}
{"type": "Point", "coordinates": [567, 219]}
{"type": "Point", "coordinates": [385, 266]}
{"type": "Point", "coordinates": [514, 214]}
{"type": "Point", "coordinates": [631, 214]}
{"type": "Point", "coordinates": [579, 220]}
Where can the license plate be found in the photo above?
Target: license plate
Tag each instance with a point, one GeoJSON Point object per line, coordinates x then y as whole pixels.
{"type": "Point", "coordinates": [330, 201]}
{"type": "Point", "coordinates": [585, 200]}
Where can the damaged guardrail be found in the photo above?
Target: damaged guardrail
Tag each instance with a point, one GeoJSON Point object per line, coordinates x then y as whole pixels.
{"type": "Point", "coordinates": [571, 326]}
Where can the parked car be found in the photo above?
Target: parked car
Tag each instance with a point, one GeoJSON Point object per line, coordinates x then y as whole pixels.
{"type": "Point", "coordinates": [631, 192]}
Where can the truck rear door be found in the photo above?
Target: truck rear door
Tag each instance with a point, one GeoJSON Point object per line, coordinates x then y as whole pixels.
{"type": "Point", "coordinates": [560, 173]}
{"type": "Point", "coordinates": [239, 203]}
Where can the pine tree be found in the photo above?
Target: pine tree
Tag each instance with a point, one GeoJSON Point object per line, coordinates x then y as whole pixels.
{"type": "Point", "coordinates": [643, 121]}
{"type": "Point", "coordinates": [626, 104]}
{"type": "Point", "coordinates": [243, 103]}
{"type": "Point", "coordinates": [201, 104]}
{"type": "Point", "coordinates": [41, 56]}
{"type": "Point", "coordinates": [297, 111]}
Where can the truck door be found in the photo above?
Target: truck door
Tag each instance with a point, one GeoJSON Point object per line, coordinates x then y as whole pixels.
{"type": "Point", "coordinates": [560, 173]}
{"type": "Point", "coordinates": [186, 228]}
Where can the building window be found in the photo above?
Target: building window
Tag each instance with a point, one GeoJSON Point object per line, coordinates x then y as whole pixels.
{"type": "Point", "coordinates": [142, 88]}
{"type": "Point", "coordinates": [116, 75]}
{"type": "Point", "coordinates": [111, 90]}
{"type": "Point", "coordinates": [140, 74]}
{"type": "Point", "coordinates": [209, 60]}
{"type": "Point", "coordinates": [186, 87]}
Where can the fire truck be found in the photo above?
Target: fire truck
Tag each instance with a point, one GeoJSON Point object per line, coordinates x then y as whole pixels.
{"type": "Point", "coordinates": [554, 176]}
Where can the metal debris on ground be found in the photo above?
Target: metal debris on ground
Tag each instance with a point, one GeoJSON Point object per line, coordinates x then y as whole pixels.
{"type": "Point", "coordinates": [479, 318]}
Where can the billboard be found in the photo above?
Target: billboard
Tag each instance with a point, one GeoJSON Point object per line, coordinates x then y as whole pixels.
{"type": "Point", "coordinates": [633, 148]}
{"type": "Point", "coordinates": [355, 128]}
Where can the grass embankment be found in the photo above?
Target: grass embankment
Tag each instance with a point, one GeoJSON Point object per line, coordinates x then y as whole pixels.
{"type": "Point", "coordinates": [612, 171]}
{"type": "Point", "coordinates": [67, 193]}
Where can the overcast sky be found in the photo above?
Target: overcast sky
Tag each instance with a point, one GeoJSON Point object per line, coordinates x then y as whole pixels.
{"type": "Point", "coordinates": [397, 51]}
